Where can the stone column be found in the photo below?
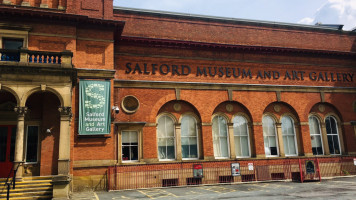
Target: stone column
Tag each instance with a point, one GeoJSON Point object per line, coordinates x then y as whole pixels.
{"type": "Point", "coordinates": [178, 143]}
{"type": "Point", "coordinates": [44, 4]}
{"type": "Point", "coordinates": [64, 141]}
{"type": "Point", "coordinates": [231, 140]}
{"type": "Point", "coordinates": [19, 143]}
{"type": "Point", "coordinates": [25, 3]}
{"type": "Point", "coordinates": [325, 139]}
{"type": "Point", "coordinates": [280, 140]}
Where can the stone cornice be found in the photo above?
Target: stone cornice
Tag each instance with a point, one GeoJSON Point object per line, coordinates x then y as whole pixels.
{"type": "Point", "coordinates": [95, 73]}
{"type": "Point", "coordinates": [154, 42]}
{"type": "Point", "coordinates": [226, 86]}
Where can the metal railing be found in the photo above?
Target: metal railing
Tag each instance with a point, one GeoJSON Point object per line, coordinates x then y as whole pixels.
{"type": "Point", "coordinates": [181, 174]}
{"type": "Point", "coordinates": [12, 183]}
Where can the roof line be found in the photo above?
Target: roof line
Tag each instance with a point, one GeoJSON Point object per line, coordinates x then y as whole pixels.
{"type": "Point", "coordinates": [226, 19]}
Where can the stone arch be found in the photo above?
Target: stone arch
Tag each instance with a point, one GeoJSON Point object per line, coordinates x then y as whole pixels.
{"type": "Point", "coordinates": [159, 104]}
{"type": "Point", "coordinates": [220, 114]}
{"type": "Point", "coordinates": [11, 91]}
{"type": "Point", "coordinates": [175, 120]}
{"type": "Point", "coordinates": [178, 108]}
{"type": "Point", "coordinates": [38, 89]}
{"type": "Point", "coordinates": [230, 108]}
{"type": "Point", "coordinates": [281, 108]}
{"type": "Point", "coordinates": [323, 109]}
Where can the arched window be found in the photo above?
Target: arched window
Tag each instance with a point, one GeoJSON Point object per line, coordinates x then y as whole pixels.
{"type": "Point", "coordinates": [315, 136]}
{"type": "Point", "coordinates": [288, 135]}
{"type": "Point", "coordinates": [270, 136]}
{"type": "Point", "coordinates": [189, 137]}
{"type": "Point", "coordinates": [333, 135]}
{"type": "Point", "coordinates": [220, 137]}
{"type": "Point", "coordinates": [241, 137]}
{"type": "Point", "coordinates": [166, 138]}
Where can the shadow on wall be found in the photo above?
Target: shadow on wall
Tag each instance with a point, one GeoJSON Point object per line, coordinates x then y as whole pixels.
{"type": "Point", "coordinates": [90, 183]}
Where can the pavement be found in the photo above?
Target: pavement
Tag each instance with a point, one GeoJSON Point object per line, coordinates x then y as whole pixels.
{"type": "Point", "coordinates": [336, 188]}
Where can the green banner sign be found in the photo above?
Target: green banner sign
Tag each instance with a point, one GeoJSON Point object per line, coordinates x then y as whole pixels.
{"type": "Point", "coordinates": [94, 107]}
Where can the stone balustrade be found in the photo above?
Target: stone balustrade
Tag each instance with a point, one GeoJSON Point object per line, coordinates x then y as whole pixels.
{"type": "Point", "coordinates": [53, 4]}
{"type": "Point", "coordinates": [25, 56]}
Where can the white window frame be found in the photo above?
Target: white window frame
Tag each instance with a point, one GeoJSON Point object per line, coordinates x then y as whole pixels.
{"type": "Point", "coordinates": [248, 137]}
{"type": "Point", "coordinates": [219, 138]}
{"type": "Point", "coordinates": [320, 134]}
{"type": "Point", "coordinates": [286, 135]}
{"type": "Point", "coordinates": [338, 135]}
{"type": "Point", "coordinates": [275, 135]}
{"type": "Point", "coordinates": [174, 137]}
{"type": "Point", "coordinates": [197, 136]}
{"type": "Point", "coordinates": [138, 146]}
{"type": "Point", "coordinates": [38, 144]}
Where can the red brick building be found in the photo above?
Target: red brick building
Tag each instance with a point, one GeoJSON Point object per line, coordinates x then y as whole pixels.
{"type": "Point", "coordinates": [190, 89]}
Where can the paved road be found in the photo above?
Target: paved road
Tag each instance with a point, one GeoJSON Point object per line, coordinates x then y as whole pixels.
{"type": "Point", "coordinates": [338, 188]}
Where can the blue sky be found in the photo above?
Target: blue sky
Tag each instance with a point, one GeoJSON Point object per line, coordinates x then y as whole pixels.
{"type": "Point", "coordinates": [291, 11]}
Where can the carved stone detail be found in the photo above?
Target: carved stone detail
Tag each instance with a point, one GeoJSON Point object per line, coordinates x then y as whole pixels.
{"type": "Point", "coordinates": [177, 107]}
{"type": "Point", "coordinates": [277, 108]}
{"type": "Point", "coordinates": [321, 108]}
{"type": "Point", "coordinates": [66, 111]}
{"type": "Point", "coordinates": [229, 108]}
{"type": "Point", "coordinates": [20, 110]}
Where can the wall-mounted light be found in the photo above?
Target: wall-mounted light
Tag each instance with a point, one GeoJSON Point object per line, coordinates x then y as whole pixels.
{"type": "Point", "coordinates": [115, 109]}
{"type": "Point", "coordinates": [49, 130]}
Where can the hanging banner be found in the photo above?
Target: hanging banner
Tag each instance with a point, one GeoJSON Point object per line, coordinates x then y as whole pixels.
{"type": "Point", "coordinates": [94, 107]}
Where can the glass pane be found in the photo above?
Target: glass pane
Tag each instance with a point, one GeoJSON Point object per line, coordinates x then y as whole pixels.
{"type": "Point", "coordinates": [285, 144]}
{"type": "Point", "coordinates": [336, 144]}
{"type": "Point", "coordinates": [171, 152]}
{"type": "Point", "coordinates": [188, 126]}
{"type": "Point", "coordinates": [125, 137]}
{"type": "Point", "coordinates": [333, 125]}
{"type": "Point", "coordinates": [134, 152]}
{"type": "Point", "coordinates": [223, 126]}
{"type": "Point", "coordinates": [291, 144]}
{"type": "Point", "coordinates": [272, 141]}
{"type": "Point", "coordinates": [240, 125]}
{"type": "Point", "coordinates": [162, 152]}
{"type": "Point", "coordinates": [266, 143]}
{"type": "Point", "coordinates": [161, 142]}
{"type": "Point", "coordinates": [328, 125]}
{"type": "Point", "coordinates": [185, 141]}
{"type": "Point", "coordinates": [285, 125]}
{"type": "Point", "coordinates": [12, 43]}
{"type": "Point", "coordinates": [215, 127]}
{"type": "Point", "coordinates": [133, 137]}
{"type": "Point", "coordinates": [216, 146]}
{"type": "Point", "coordinates": [125, 153]}
{"type": "Point", "coordinates": [244, 146]}
{"type": "Point", "coordinates": [165, 127]}
{"type": "Point", "coordinates": [224, 147]}
{"type": "Point", "coordinates": [331, 144]}
{"type": "Point", "coordinates": [237, 145]}
{"type": "Point", "coordinates": [32, 144]}
{"type": "Point", "coordinates": [3, 142]}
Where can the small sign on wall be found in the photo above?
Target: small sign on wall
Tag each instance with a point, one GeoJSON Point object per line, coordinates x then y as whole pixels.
{"type": "Point", "coordinates": [235, 169]}
{"type": "Point", "coordinates": [198, 171]}
{"type": "Point", "coordinates": [309, 167]}
{"type": "Point", "coordinates": [354, 161]}
{"type": "Point", "coordinates": [250, 166]}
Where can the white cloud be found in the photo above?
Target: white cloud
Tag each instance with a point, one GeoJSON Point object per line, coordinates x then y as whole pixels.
{"type": "Point", "coordinates": [335, 12]}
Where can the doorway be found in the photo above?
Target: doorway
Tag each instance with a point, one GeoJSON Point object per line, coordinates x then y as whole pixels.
{"type": "Point", "coordinates": [7, 149]}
